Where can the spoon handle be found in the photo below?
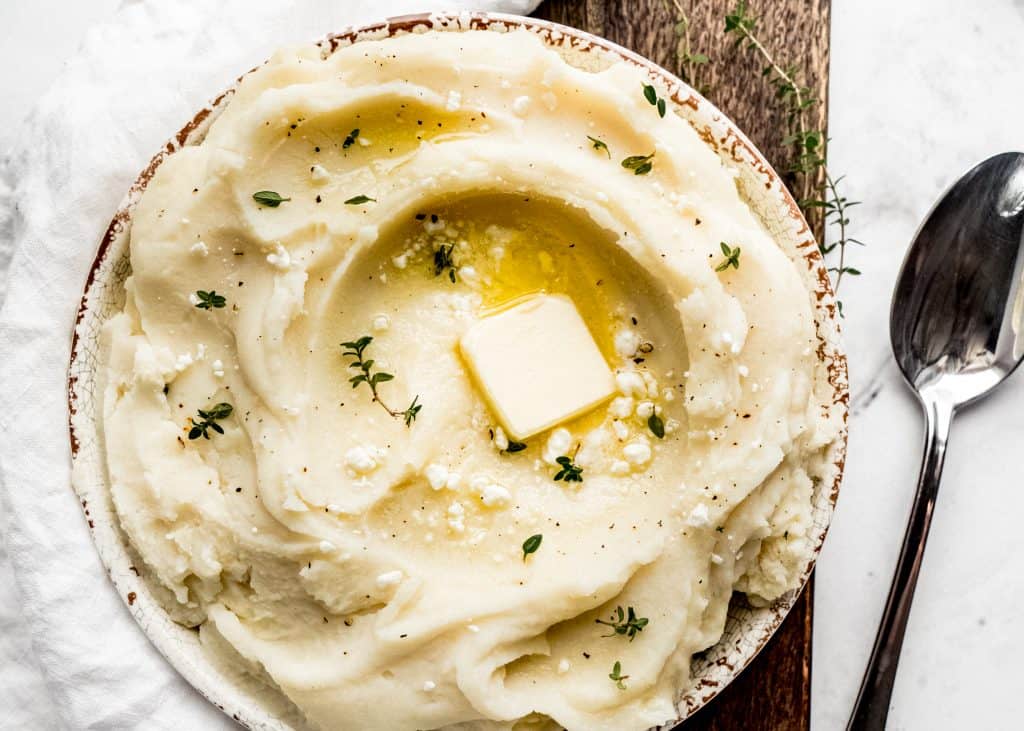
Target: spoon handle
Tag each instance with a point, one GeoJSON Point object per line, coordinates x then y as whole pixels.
{"type": "Point", "coordinates": [872, 707]}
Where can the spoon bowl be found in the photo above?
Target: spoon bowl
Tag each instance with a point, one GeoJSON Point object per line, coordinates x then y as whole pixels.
{"type": "Point", "coordinates": [956, 327]}
{"type": "Point", "coordinates": [956, 315]}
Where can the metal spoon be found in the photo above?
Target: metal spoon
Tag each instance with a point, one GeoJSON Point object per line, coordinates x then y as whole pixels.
{"type": "Point", "coordinates": [957, 329]}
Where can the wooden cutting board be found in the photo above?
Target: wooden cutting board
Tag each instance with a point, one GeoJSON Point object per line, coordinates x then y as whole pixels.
{"type": "Point", "coordinates": [774, 692]}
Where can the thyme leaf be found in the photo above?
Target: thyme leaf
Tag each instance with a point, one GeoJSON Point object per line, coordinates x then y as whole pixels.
{"type": "Point", "coordinates": [355, 349]}
{"type": "Point", "coordinates": [600, 145]}
{"type": "Point", "coordinates": [625, 623]}
{"type": "Point", "coordinates": [732, 258]}
{"type": "Point", "coordinates": [569, 471]}
{"type": "Point", "coordinates": [617, 676]}
{"type": "Point", "coordinates": [209, 300]}
{"type": "Point", "coordinates": [208, 419]}
{"type": "Point", "coordinates": [656, 425]}
{"type": "Point", "coordinates": [443, 261]}
{"type": "Point", "coordinates": [269, 198]}
{"type": "Point", "coordinates": [531, 544]}
{"type": "Point", "coordinates": [639, 164]}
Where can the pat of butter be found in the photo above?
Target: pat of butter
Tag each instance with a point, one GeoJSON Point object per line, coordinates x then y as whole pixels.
{"type": "Point", "coordinates": [537, 364]}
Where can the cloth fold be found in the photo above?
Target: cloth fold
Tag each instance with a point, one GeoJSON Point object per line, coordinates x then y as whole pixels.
{"type": "Point", "coordinates": [71, 656]}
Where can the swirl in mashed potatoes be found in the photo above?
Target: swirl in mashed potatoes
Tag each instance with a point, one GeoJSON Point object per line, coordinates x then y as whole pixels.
{"type": "Point", "coordinates": [373, 570]}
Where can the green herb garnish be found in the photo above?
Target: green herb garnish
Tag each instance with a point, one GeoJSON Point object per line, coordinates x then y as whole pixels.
{"type": "Point", "coordinates": [639, 164]}
{"type": "Point", "coordinates": [617, 676]}
{"type": "Point", "coordinates": [269, 198]}
{"type": "Point", "coordinates": [209, 300]}
{"type": "Point", "coordinates": [627, 624]}
{"type": "Point", "coordinates": [350, 139]}
{"type": "Point", "coordinates": [690, 63]}
{"type": "Point", "coordinates": [656, 425]}
{"type": "Point", "coordinates": [531, 544]}
{"type": "Point", "coordinates": [443, 260]}
{"type": "Point", "coordinates": [732, 258]}
{"type": "Point", "coordinates": [569, 472]}
{"type": "Point", "coordinates": [819, 186]}
{"type": "Point", "coordinates": [208, 419]}
{"type": "Point", "coordinates": [599, 145]}
{"type": "Point", "coordinates": [651, 95]}
{"type": "Point", "coordinates": [355, 349]}
{"type": "Point", "coordinates": [360, 200]}
{"type": "Point", "coordinates": [514, 447]}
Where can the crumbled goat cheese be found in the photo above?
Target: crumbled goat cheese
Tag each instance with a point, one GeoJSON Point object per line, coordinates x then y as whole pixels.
{"type": "Point", "coordinates": [627, 342]}
{"type": "Point", "coordinates": [199, 249]}
{"type": "Point", "coordinates": [637, 453]}
{"type": "Point", "coordinates": [620, 467]}
{"type": "Point", "coordinates": [500, 439]}
{"type": "Point", "coordinates": [279, 258]}
{"type": "Point", "coordinates": [630, 383]}
{"type": "Point", "coordinates": [557, 445]}
{"type": "Point", "coordinates": [621, 407]}
{"type": "Point", "coordinates": [437, 476]}
{"type": "Point", "coordinates": [360, 460]}
{"type": "Point", "coordinates": [319, 173]}
{"type": "Point", "coordinates": [390, 578]}
{"type": "Point", "coordinates": [493, 495]}
{"type": "Point", "coordinates": [699, 517]}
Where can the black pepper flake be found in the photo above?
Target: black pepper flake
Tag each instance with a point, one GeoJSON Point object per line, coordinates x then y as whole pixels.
{"type": "Point", "coordinates": [238, 489]}
{"type": "Point", "coordinates": [420, 216]}
{"type": "Point", "coordinates": [586, 655]}
{"type": "Point", "coordinates": [319, 199]}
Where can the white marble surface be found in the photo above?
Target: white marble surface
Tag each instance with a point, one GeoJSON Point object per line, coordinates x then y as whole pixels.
{"type": "Point", "coordinates": [921, 89]}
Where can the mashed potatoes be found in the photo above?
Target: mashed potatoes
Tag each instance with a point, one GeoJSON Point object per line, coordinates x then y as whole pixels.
{"type": "Point", "coordinates": [382, 551]}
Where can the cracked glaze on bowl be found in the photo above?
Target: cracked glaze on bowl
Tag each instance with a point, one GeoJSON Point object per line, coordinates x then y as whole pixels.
{"type": "Point", "coordinates": [747, 629]}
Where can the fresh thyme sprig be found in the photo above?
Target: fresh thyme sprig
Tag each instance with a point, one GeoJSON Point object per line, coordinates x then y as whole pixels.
{"type": "Point", "coordinates": [355, 349]}
{"type": "Point", "coordinates": [599, 145]}
{"type": "Point", "coordinates": [732, 257]}
{"type": "Point", "coordinates": [208, 419]}
{"type": "Point", "coordinates": [350, 139]}
{"type": "Point", "coordinates": [651, 95]}
{"type": "Point", "coordinates": [569, 471]}
{"type": "Point", "coordinates": [514, 447]}
{"type": "Point", "coordinates": [443, 261]}
{"type": "Point", "coordinates": [639, 164]}
{"type": "Point", "coordinates": [809, 145]}
{"type": "Point", "coordinates": [690, 63]}
{"type": "Point", "coordinates": [617, 676]}
{"type": "Point", "coordinates": [209, 300]}
{"type": "Point", "coordinates": [627, 624]}
{"type": "Point", "coordinates": [360, 200]}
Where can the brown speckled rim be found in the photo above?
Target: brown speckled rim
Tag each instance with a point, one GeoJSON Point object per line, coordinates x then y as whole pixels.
{"type": "Point", "coordinates": [721, 135]}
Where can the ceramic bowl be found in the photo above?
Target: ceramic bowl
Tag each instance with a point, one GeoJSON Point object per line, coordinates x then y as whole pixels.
{"type": "Point", "coordinates": [748, 628]}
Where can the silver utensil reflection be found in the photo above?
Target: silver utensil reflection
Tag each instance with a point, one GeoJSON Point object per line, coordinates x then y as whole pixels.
{"type": "Point", "coordinates": [956, 330]}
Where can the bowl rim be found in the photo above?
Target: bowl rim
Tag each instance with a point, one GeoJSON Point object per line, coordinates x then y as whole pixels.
{"type": "Point", "coordinates": [117, 563]}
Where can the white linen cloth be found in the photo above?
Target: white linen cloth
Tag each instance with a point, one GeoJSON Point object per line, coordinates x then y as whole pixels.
{"type": "Point", "coordinates": [71, 656]}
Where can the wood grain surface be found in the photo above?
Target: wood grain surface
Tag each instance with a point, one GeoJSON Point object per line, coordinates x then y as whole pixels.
{"type": "Point", "coordinates": [774, 692]}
